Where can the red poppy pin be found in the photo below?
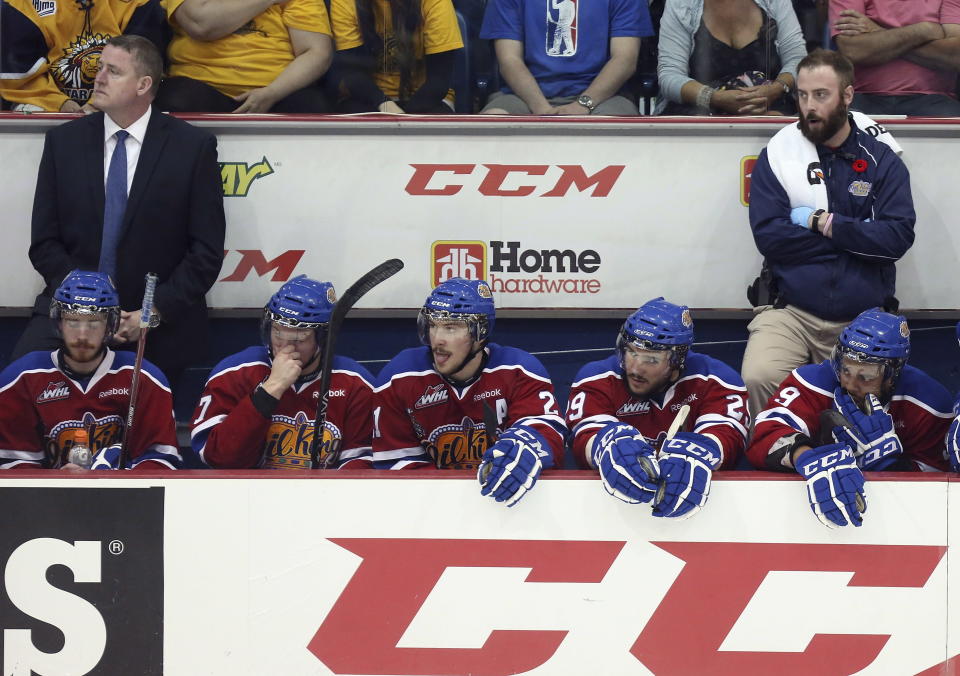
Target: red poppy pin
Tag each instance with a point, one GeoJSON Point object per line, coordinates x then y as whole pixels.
{"type": "Point", "coordinates": [860, 166]}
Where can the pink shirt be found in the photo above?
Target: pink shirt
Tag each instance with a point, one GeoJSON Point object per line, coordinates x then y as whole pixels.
{"type": "Point", "coordinates": [900, 76]}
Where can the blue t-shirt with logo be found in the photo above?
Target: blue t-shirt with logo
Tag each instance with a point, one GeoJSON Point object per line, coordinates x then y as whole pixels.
{"type": "Point", "coordinates": [565, 42]}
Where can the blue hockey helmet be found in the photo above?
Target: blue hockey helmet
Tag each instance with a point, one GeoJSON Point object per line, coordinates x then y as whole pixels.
{"type": "Point", "coordinates": [875, 337]}
{"type": "Point", "coordinates": [658, 325]}
{"type": "Point", "coordinates": [459, 299]}
{"type": "Point", "coordinates": [301, 303]}
{"type": "Point", "coordinates": [85, 292]}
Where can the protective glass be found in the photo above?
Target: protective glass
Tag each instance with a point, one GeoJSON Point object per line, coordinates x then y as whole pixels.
{"type": "Point", "coordinates": [864, 372]}
{"type": "Point", "coordinates": [289, 336]}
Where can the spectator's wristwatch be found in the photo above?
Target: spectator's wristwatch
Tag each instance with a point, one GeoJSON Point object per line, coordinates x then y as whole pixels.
{"type": "Point", "coordinates": [586, 102]}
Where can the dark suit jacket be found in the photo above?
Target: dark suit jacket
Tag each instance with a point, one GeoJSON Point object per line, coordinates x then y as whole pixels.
{"type": "Point", "coordinates": [173, 225]}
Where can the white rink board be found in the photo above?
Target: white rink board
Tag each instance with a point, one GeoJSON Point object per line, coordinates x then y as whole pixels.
{"type": "Point", "coordinates": [333, 199]}
{"type": "Point", "coordinates": [570, 581]}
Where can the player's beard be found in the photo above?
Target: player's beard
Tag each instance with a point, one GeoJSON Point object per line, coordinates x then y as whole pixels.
{"type": "Point", "coordinates": [830, 125]}
{"type": "Point", "coordinates": [84, 356]}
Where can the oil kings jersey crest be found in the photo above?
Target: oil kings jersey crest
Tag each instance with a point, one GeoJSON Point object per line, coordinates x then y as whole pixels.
{"type": "Point", "coordinates": [289, 440]}
{"type": "Point", "coordinates": [561, 38]}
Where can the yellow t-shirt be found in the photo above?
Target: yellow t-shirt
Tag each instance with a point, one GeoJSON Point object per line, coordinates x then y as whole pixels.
{"type": "Point", "coordinates": [251, 56]}
{"type": "Point", "coordinates": [67, 69]}
{"type": "Point", "coordinates": [438, 33]}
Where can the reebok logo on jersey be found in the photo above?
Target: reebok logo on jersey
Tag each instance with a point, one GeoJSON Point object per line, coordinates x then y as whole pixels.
{"type": "Point", "coordinates": [436, 394]}
{"type": "Point", "coordinates": [45, 7]}
{"type": "Point", "coordinates": [487, 395]}
{"type": "Point", "coordinates": [680, 404]}
{"type": "Point", "coordinates": [53, 392]}
{"type": "Point", "coordinates": [115, 392]}
{"type": "Point", "coordinates": [633, 408]}
{"type": "Point", "coordinates": [332, 393]}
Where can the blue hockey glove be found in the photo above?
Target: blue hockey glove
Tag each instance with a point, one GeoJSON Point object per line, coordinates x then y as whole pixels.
{"type": "Point", "coordinates": [872, 437]}
{"type": "Point", "coordinates": [687, 462]}
{"type": "Point", "coordinates": [834, 485]}
{"type": "Point", "coordinates": [107, 458]}
{"type": "Point", "coordinates": [801, 216]}
{"type": "Point", "coordinates": [953, 444]}
{"type": "Point", "coordinates": [511, 467]}
{"type": "Point", "coordinates": [627, 463]}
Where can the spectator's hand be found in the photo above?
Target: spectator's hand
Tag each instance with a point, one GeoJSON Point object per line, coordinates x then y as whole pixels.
{"type": "Point", "coordinates": [286, 368]}
{"type": "Point", "coordinates": [70, 467]}
{"type": "Point", "coordinates": [572, 108]}
{"type": "Point", "coordinates": [390, 107]}
{"type": "Point", "coordinates": [255, 101]}
{"type": "Point", "coordinates": [88, 108]}
{"type": "Point", "coordinates": [739, 102]}
{"type": "Point", "coordinates": [70, 106]}
{"type": "Point", "coordinates": [851, 22]}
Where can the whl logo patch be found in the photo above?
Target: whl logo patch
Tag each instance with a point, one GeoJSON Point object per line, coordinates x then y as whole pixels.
{"type": "Point", "coordinates": [435, 394]}
{"type": "Point", "coordinates": [54, 391]}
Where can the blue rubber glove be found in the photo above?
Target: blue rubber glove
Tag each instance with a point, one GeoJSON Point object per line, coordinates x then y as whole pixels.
{"type": "Point", "coordinates": [834, 485]}
{"type": "Point", "coordinates": [687, 462]}
{"type": "Point", "coordinates": [511, 467]}
{"type": "Point", "coordinates": [107, 458]}
{"type": "Point", "coordinates": [872, 437]}
{"type": "Point", "coordinates": [627, 463]}
{"type": "Point", "coordinates": [953, 444]}
{"type": "Point", "coordinates": [801, 216]}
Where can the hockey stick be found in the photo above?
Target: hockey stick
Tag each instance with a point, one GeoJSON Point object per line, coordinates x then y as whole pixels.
{"type": "Point", "coordinates": [675, 426]}
{"type": "Point", "coordinates": [350, 297]}
{"type": "Point", "coordinates": [149, 287]}
{"type": "Point", "coordinates": [490, 423]}
{"type": "Point", "coordinates": [829, 419]}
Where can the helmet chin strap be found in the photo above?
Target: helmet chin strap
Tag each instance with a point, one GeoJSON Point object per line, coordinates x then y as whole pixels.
{"type": "Point", "coordinates": [466, 360]}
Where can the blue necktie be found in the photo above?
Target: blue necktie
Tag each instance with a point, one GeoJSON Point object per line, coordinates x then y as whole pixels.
{"type": "Point", "coordinates": [114, 205]}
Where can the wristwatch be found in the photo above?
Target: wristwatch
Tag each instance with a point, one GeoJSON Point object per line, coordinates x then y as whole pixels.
{"type": "Point", "coordinates": [586, 102]}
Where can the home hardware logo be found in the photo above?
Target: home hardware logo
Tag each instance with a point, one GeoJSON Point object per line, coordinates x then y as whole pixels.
{"type": "Point", "coordinates": [537, 271]}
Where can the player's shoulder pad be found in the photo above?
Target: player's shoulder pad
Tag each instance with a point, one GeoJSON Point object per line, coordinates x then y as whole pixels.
{"type": "Point", "coordinates": [598, 369]}
{"type": "Point", "coordinates": [411, 360]}
{"type": "Point", "coordinates": [352, 366]}
{"type": "Point", "coordinates": [705, 365]}
{"type": "Point", "coordinates": [41, 360]}
{"type": "Point", "coordinates": [124, 359]}
{"type": "Point", "coordinates": [819, 377]}
{"type": "Point", "coordinates": [506, 356]}
{"type": "Point", "coordinates": [916, 384]}
{"type": "Point", "coordinates": [253, 355]}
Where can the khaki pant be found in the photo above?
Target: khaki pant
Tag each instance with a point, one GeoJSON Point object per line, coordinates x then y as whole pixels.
{"type": "Point", "coordinates": [780, 341]}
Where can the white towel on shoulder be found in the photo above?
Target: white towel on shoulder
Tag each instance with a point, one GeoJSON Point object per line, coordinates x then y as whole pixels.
{"type": "Point", "coordinates": [792, 157]}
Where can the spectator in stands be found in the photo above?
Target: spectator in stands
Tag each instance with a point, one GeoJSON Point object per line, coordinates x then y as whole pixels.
{"type": "Point", "coordinates": [831, 212]}
{"type": "Point", "coordinates": [248, 56]}
{"type": "Point", "coordinates": [47, 397]}
{"type": "Point", "coordinates": [907, 54]}
{"type": "Point", "coordinates": [49, 51]}
{"type": "Point", "coordinates": [258, 407]}
{"type": "Point", "coordinates": [573, 59]}
{"type": "Point", "coordinates": [728, 57]}
{"type": "Point", "coordinates": [396, 57]}
{"type": "Point", "coordinates": [862, 409]}
{"type": "Point", "coordinates": [130, 191]}
{"type": "Point", "coordinates": [622, 408]}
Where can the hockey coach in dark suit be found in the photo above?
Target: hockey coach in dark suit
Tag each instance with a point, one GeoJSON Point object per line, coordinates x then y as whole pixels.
{"type": "Point", "coordinates": [126, 191]}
